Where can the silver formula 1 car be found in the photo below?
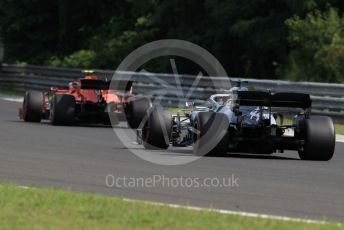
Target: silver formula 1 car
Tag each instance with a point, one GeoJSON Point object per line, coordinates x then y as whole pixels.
{"type": "Point", "coordinates": [242, 121]}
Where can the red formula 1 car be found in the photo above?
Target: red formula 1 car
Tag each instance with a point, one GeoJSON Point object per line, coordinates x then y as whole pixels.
{"type": "Point", "coordinates": [87, 100]}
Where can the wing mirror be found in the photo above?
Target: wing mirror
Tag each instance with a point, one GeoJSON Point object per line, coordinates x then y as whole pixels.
{"type": "Point", "coordinates": [189, 104]}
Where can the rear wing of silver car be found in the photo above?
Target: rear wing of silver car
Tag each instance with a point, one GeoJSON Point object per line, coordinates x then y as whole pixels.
{"type": "Point", "coordinates": [261, 98]}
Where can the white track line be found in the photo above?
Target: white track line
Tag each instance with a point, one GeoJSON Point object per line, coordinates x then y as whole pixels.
{"type": "Point", "coordinates": [13, 99]}
{"type": "Point", "coordinates": [23, 187]}
{"type": "Point", "coordinates": [340, 138]}
{"type": "Point", "coordinates": [229, 212]}
{"type": "Point", "coordinates": [222, 211]}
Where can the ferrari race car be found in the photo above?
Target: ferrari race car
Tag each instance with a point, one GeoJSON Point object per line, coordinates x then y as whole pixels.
{"type": "Point", "coordinates": [243, 121]}
{"type": "Point", "coordinates": [87, 100]}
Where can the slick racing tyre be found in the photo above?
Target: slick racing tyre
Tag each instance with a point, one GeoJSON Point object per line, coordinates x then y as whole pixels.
{"type": "Point", "coordinates": [62, 111]}
{"type": "Point", "coordinates": [320, 139]}
{"type": "Point", "coordinates": [211, 134]}
{"type": "Point", "coordinates": [32, 106]}
{"type": "Point", "coordinates": [157, 131]}
{"type": "Point", "coordinates": [135, 110]}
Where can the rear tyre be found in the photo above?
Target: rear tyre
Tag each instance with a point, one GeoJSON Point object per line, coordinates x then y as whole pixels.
{"type": "Point", "coordinates": [211, 137]}
{"type": "Point", "coordinates": [320, 139]}
{"type": "Point", "coordinates": [62, 110]}
{"type": "Point", "coordinates": [32, 106]}
{"type": "Point", "coordinates": [135, 110]}
{"type": "Point", "coordinates": [157, 131]}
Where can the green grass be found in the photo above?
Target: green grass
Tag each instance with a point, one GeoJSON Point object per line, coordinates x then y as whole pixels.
{"type": "Point", "coordinates": [339, 129]}
{"type": "Point", "coordinates": [10, 91]}
{"type": "Point", "coordinates": [43, 208]}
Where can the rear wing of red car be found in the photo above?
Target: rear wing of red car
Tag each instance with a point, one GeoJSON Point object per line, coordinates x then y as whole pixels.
{"type": "Point", "coordinates": [260, 98]}
{"type": "Point", "coordinates": [98, 84]}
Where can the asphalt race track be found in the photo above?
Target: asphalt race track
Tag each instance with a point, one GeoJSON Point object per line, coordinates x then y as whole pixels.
{"type": "Point", "coordinates": [80, 158]}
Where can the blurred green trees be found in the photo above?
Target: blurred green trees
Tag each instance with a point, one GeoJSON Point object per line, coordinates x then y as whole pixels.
{"type": "Point", "coordinates": [299, 40]}
{"type": "Point", "coordinates": [318, 47]}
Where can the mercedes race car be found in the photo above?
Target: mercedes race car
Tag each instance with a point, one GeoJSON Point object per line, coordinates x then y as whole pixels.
{"type": "Point", "coordinates": [87, 100]}
{"type": "Point", "coordinates": [242, 121]}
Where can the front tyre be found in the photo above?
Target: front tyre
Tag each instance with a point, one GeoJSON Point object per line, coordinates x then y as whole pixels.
{"type": "Point", "coordinates": [32, 106]}
{"type": "Point", "coordinates": [157, 131]}
{"type": "Point", "coordinates": [211, 134]}
{"type": "Point", "coordinates": [320, 139]}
